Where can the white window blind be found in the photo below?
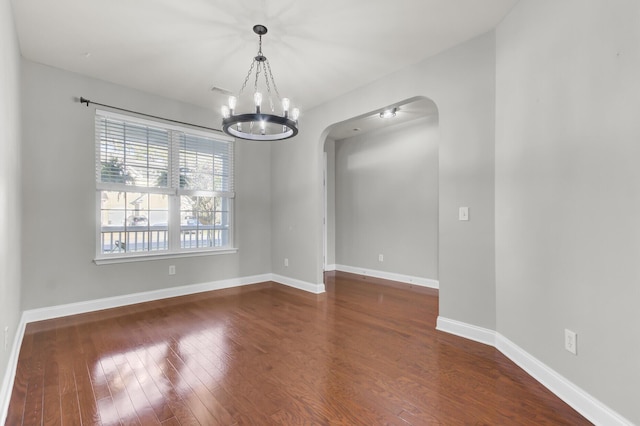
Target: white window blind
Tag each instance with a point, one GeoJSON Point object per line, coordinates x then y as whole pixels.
{"type": "Point", "coordinates": [161, 188]}
{"type": "Point", "coordinates": [131, 154]}
{"type": "Point", "coordinates": [206, 165]}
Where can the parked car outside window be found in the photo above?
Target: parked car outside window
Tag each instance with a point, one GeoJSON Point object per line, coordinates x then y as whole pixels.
{"type": "Point", "coordinates": [137, 221]}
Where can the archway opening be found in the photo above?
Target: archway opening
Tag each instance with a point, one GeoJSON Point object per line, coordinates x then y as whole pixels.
{"type": "Point", "coordinates": [381, 194]}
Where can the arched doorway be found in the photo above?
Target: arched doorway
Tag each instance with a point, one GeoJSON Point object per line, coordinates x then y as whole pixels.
{"type": "Point", "coordinates": [381, 194]}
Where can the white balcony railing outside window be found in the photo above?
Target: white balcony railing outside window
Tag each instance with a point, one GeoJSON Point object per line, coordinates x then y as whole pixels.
{"type": "Point", "coordinates": [132, 239]}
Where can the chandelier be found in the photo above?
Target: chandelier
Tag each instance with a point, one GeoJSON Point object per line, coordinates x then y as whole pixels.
{"type": "Point", "coordinates": [258, 125]}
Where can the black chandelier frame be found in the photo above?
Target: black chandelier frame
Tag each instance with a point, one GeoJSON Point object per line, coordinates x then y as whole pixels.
{"type": "Point", "coordinates": [258, 125]}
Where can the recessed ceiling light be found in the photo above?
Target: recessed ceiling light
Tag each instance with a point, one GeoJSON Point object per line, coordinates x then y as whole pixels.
{"type": "Point", "coordinates": [388, 113]}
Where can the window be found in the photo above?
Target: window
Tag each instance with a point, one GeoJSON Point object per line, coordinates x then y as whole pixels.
{"type": "Point", "coordinates": [161, 189]}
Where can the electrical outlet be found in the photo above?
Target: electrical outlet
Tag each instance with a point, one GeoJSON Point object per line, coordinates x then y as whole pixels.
{"type": "Point", "coordinates": [571, 341]}
{"type": "Point", "coordinates": [286, 262]}
{"type": "Point", "coordinates": [172, 269]}
{"type": "Point", "coordinates": [6, 337]}
{"type": "Point", "coordinates": [380, 258]}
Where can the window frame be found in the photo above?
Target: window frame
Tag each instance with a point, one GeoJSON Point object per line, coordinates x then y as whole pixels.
{"type": "Point", "coordinates": [173, 191]}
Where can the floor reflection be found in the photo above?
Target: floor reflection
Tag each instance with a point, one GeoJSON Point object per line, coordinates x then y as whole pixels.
{"type": "Point", "coordinates": [142, 380]}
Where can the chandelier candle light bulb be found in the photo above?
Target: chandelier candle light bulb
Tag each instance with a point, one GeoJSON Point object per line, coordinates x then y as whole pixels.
{"type": "Point", "coordinates": [271, 126]}
{"type": "Point", "coordinates": [257, 99]}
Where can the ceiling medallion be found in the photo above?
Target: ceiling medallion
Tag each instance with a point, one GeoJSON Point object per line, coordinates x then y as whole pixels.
{"type": "Point", "coordinates": [258, 125]}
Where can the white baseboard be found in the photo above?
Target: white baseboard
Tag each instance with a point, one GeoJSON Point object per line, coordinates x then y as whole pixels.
{"type": "Point", "coordinates": [329, 268]}
{"type": "Point", "coordinates": [468, 331]}
{"type": "Point", "coordinates": [585, 404]}
{"type": "Point", "coordinates": [392, 276]}
{"type": "Point", "coordinates": [301, 285]}
{"type": "Point", "coordinates": [51, 312]}
{"type": "Point", "coordinates": [10, 374]}
{"type": "Point", "coordinates": [58, 311]}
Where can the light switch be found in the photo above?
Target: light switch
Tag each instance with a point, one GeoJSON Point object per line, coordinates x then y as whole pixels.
{"type": "Point", "coordinates": [463, 213]}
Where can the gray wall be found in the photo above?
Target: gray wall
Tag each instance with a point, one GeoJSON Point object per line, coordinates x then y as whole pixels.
{"type": "Point", "coordinates": [330, 150]}
{"type": "Point", "coordinates": [461, 83]}
{"type": "Point", "coordinates": [9, 184]}
{"type": "Point", "coordinates": [59, 196]}
{"type": "Point", "coordinates": [386, 198]}
{"type": "Point", "coordinates": [568, 190]}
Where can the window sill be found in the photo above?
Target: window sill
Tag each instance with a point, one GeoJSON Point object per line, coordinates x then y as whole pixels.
{"type": "Point", "coordinates": [160, 256]}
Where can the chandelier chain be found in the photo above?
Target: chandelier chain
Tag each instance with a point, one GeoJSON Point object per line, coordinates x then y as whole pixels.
{"type": "Point", "coordinates": [258, 69]}
{"type": "Point", "coordinates": [266, 81]}
{"type": "Point", "coordinates": [246, 80]}
{"type": "Point", "coordinates": [273, 81]}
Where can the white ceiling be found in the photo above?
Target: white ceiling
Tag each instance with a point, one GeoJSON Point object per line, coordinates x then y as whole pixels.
{"type": "Point", "coordinates": [181, 49]}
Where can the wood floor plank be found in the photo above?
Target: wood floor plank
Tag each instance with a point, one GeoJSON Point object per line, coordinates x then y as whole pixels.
{"type": "Point", "coordinates": [51, 398]}
{"type": "Point", "coordinates": [108, 412]}
{"type": "Point", "coordinates": [169, 396]}
{"type": "Point", "coordinates": [69, 403]}
{"type": "Point", "coordinates": [191, 391]}
{"type": "Point", "coordinates": [200, 383]}
{"type": "Point", "coordinates": [89, 413]}
{"type": "Point", "coordinates": [51, 411]}
{"type": "Point", "coordinates": [35, 389]}
{"type": "Point", "coordinates": [119, 395]}
{"type": "Point", "coordinates": [18, 398]}
{"type": "Point", "coordinates": [365, 352]}
{"type": "Point", "coordinates": [33, 403]}
{"type": "Point", "coordinates": [143, 408]}
{"type": "Point", "coordinates": [148, 386]}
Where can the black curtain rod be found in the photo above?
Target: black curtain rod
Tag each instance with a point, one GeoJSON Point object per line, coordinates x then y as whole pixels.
{"type": "Point", "coordinates": [87, 101]}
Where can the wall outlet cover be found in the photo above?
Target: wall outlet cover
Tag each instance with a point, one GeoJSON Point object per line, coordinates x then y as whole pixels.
{"type": "Point", "coordinates": [571, 341]}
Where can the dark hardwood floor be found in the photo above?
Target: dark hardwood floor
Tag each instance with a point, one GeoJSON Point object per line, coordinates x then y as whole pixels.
{"type": "Point", "coordinates": [363, 353]}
